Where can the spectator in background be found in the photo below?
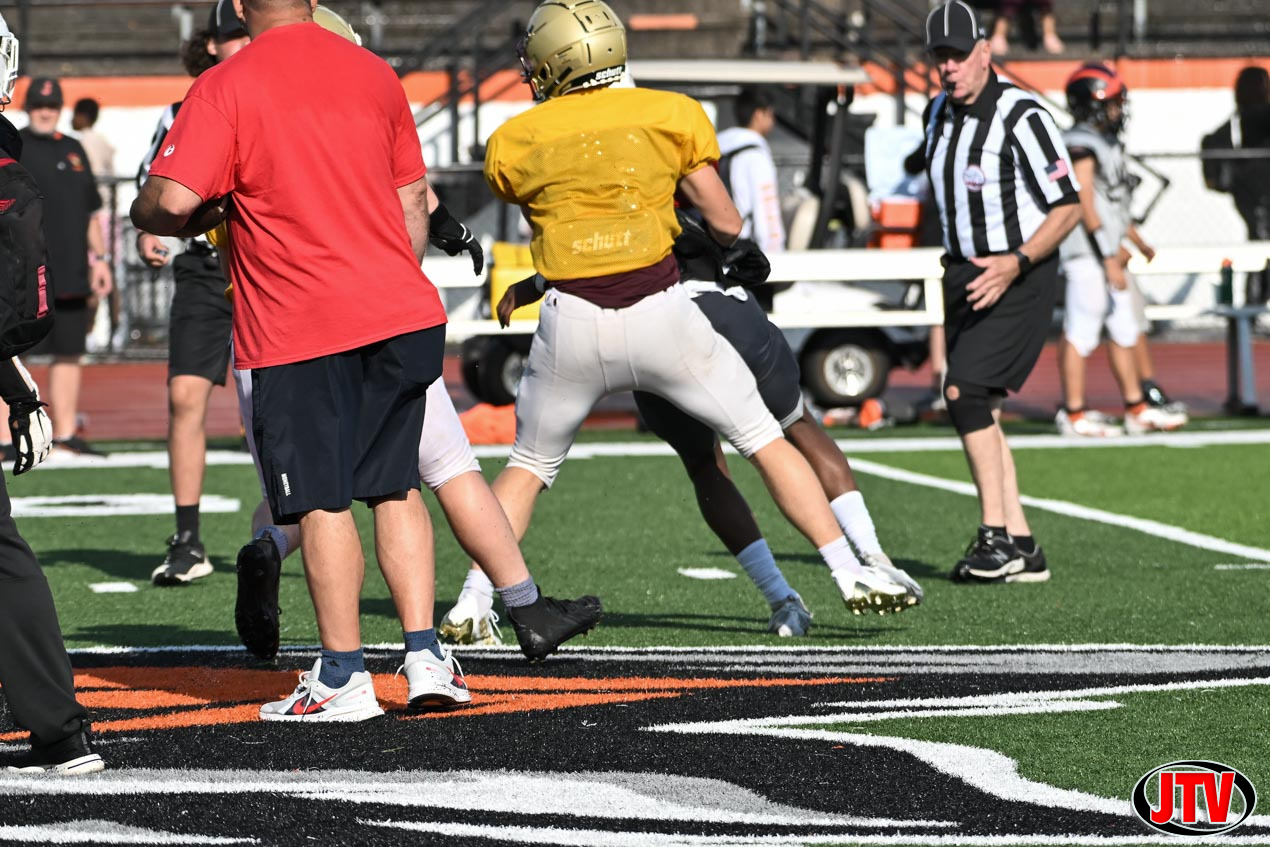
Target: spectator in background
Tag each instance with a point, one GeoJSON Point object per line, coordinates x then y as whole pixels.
{"type": "Point", "coordinates": [1245, 178]}
{"type": "Point", "coordinates": [101, 157]}
{"type": "Point", "coordinates": [77, 255]}
{"type": "Point", "coordinates": [101, 153]}
{"type": "Point", "coordinates": [1008, 11]}
{"type": "Point", "coordinates": [749, 172]}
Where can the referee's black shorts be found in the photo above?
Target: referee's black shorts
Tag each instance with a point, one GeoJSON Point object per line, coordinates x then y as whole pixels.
{"type": "Point", "coordinates": [997, 347]}
{"type": "Point", "coordinates": [346, 426]}
{"type": "Point", "coordinates": [201, 320]}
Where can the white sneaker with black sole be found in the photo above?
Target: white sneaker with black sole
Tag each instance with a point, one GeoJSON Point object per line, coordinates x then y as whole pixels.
{"type": "Point", "coordinates": [433, 681]}
{"type": "Point", "coordinates": [312, 701]}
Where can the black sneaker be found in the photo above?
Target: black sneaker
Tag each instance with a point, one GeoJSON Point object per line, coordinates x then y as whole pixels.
{"type": "Point", "coordinates": [991, 557]}
{"type": "Point", "coordinates": [1034, 567]}
{"type": "Point", "coordinates": [256, 610]}
{"type": "Point", "coordinates": [545, 624]}
{"type": "Point", "coordinates": [77, 445]}
{"type": "Point", "coordinates": [185, 562]}
{"type": "Point", "coordinates": [69, 757]}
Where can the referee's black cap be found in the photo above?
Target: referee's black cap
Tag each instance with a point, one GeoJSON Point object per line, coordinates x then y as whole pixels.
{"type": "Point", "coordinates": [224, 23]}
{"type": "Point", "coordinates": [953, 24]}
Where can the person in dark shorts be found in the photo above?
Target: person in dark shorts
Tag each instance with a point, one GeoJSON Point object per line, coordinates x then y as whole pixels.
{"type": "Point", "coordinates": [199, 326]}
{"type": "Point", "coordinates": [335, 318]}
{"type": "Point", "coordinates": [1007, 197]}
{"type": "Point", "coordinates": [78, 262]}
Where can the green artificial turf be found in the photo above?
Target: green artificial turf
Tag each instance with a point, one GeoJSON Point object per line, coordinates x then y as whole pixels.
{"type": "Point", "coordinates": [623, 527]}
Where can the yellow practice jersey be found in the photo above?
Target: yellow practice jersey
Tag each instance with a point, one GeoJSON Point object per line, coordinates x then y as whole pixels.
{"type": "Point", "coordinates": [598, 171]}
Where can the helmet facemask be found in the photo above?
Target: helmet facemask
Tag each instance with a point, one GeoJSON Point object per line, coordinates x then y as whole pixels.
{"type": "Point", "coordinates": [9, 57]}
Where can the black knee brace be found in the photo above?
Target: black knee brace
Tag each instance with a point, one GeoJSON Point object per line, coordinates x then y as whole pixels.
{"type": "Point", "coordinates": [969, 406]}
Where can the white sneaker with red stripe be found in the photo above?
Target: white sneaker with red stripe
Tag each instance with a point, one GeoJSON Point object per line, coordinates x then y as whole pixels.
{"type": "Point", "coordinates": [313, 701]}
{"type": "Point", "coordinates": [433, 681]}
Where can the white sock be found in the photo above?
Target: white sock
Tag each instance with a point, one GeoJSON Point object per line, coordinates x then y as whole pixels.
{"type": "Point", "coordinates": [853, 516]}
{"type": "Point", "coordinates": [837, 555]}
{"type": "Point", "coordinates": [477, 586]}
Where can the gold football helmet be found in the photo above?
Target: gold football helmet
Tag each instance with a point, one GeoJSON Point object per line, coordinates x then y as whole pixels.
{"type": "Point", "coordinates": [331, 21]}
{"type": "Point", "coordinates": [572, 44]}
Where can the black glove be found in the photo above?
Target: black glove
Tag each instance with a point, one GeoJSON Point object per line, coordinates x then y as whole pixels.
{"type": "Point", "coordinates": [32, 434]}
{"type": "Point", "coordinates": [453, 237]}
{"type": "Point", "coordinates": [745, 264]}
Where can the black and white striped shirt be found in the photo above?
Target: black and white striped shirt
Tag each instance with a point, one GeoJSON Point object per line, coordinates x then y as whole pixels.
{"type": "Point", "coordinates": [996, 167]}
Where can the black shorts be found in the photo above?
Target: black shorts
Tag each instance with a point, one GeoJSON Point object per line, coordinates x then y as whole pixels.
{"type": "Point", "coordinates": [344, 427]}
{"type": "Point", "coordinates": [71, 320]}
{"type": "Point", "coordinates": [998, 347]}
{"type": "Point", "coordinates": [201, 321]}
{"type": "Point", "coordinates": [767, 354]}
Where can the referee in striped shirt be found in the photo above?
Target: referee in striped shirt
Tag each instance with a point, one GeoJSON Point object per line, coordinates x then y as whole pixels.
{"type": "Point", "coordinates": [1007, 197]}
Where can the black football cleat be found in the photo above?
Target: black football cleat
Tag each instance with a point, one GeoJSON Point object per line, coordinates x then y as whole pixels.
{"type": "Point", "coordinates": [991, 557]}
{"type": "Point", "coordinates": [545, 624]}
{"type": "Point", "coordinates": [71, 756]}
{"type": "Point", "coordinates": [256, 609]}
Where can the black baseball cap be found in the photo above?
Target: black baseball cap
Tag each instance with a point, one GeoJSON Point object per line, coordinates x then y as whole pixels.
{"type": "Point", "coordinates": [953, 24]}
{"type": "Point", "coordinates": [44, 91]}
{"type": "Point", "coordinates": [224, 22]}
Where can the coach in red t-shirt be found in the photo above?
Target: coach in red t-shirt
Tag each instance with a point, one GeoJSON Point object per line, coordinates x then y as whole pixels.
{"type": "Point", "coordinates": [305, 145]}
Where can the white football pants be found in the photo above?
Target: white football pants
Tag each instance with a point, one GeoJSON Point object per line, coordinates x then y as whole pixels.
{"type": "Point", "coordinates": [663, 345]}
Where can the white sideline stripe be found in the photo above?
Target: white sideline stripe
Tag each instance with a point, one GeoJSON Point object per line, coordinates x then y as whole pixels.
{"type": "Point", "coordinates": [114, 505]}
{"type": "Point", "coordinates": [112, 587]}
{"type": "Point", "coordinates": [105, 832]}
{"type": "Point", "coordinates": [707, 573]}
{"type": "Point", "coordinates": [551, 835]}
{"type": "Point", "coordinates": [1074, 510]}
{"type": "Point", "coordinates": [1241, 567]}
{"type": "Point", "coordinates": [852, 446]}
{"type": "Point", "coordinates": [854, 652]}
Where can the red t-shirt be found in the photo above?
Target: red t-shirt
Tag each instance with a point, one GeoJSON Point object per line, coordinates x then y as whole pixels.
{"type": "Point", "coordinates": [313, 136]}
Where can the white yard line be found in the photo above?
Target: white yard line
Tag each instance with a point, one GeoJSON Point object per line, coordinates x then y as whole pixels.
{"type": "Point", "coordinates": [1074, 510]}
{"type": "Point", "coordinates": [852, 447]}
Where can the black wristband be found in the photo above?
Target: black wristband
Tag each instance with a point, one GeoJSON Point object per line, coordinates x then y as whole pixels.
{"type": "Point", "coordinates": [1025, 264]}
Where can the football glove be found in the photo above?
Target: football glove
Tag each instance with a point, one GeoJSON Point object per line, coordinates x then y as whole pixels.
{"type": "Point", "coordinates": [744, 264]}
{"type": "Point", "coordinates": [32, 434]}
{"type": "Point", "coordinates": [454, 237]}
{"type": "Point", "coordinates": [29, 425]}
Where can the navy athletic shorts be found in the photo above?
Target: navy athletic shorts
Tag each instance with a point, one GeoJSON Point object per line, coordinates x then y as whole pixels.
{"type": "Point", "coordinates": [346, 426]}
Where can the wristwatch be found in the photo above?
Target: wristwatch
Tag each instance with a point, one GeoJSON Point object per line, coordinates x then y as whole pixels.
{"type": "Point", "coordinates": [1025, 264]}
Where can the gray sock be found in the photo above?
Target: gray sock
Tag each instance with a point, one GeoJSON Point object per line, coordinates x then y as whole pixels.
{"type": "Point", "coordinates": [521, 594]}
